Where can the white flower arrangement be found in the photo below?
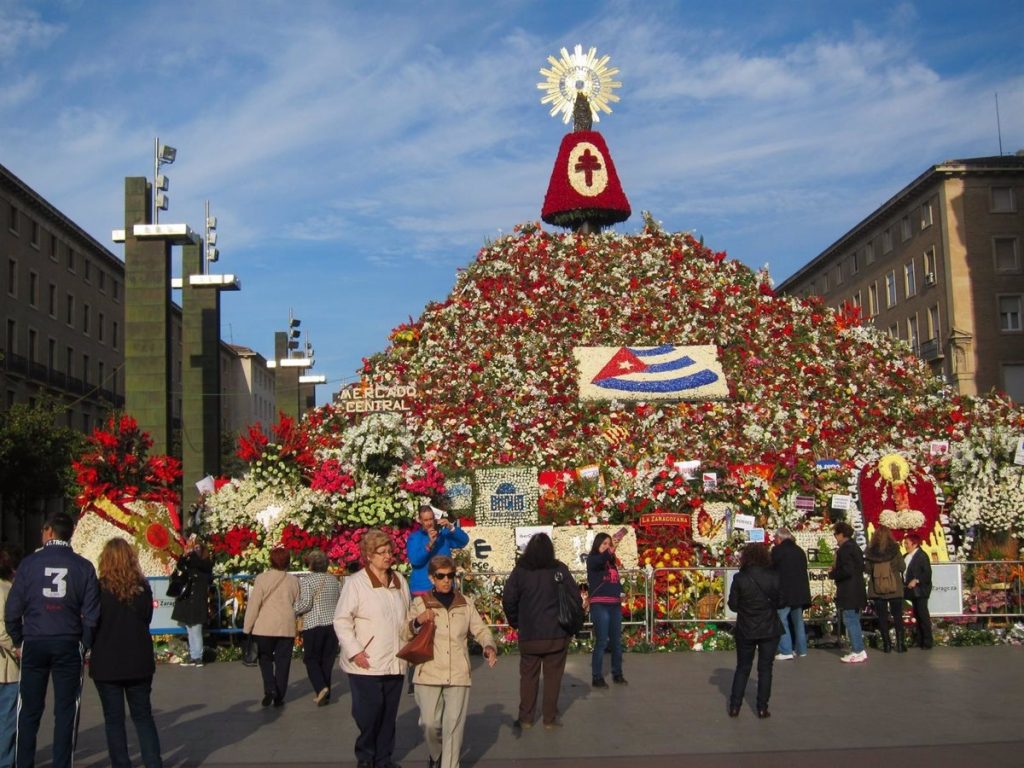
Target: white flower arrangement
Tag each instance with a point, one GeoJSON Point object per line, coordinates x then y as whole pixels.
{"type": "Point", "coordinates": [902, 519]}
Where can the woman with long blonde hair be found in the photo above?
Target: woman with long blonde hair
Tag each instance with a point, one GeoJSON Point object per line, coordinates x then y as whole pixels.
{"type": "Point", "coordinates": [122, 664]}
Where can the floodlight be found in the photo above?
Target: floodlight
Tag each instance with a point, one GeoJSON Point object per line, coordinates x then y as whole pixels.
{"type": "Point", "coordinates": [162, 182]}
{"type": "Point", "coordinates": [161, 201]}
{"type": "Point", "coordinates": [167, 154]}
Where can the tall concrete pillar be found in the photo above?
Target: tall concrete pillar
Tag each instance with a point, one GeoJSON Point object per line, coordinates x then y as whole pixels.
{"type": "Point", "coordinates": [201, 396]}
{"type": "Point", "coordinates": [147, 316]}
{"type": "Point", "coordinates": [286, 380]}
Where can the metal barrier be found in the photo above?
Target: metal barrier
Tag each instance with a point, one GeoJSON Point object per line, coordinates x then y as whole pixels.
{"type": "Point", "coordinates": [990, 591]}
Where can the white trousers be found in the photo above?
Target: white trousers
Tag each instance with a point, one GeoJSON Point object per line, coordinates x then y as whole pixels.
{"type": "Point", "coordinates": [443, 717]}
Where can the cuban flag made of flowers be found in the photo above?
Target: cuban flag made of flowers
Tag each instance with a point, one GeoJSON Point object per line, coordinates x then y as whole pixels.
{"type": "Point", "coordinates": [665, 372]}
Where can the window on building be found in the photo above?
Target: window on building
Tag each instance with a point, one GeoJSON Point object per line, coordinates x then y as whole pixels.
{"type": "Point", "coordinates": [113, 334]}
{"type": "Point", "coordinates": [909, 279]}
{"type": "Point", "coordinates": [34, 233]}
{"type": "Point", "coordinates": [12, 219]}
{"type": "Point", "coordinates": [101, 279]}
{"type": "Point", "coordinates": [905, 228]}
{"type": "Point", "coordinates": [51, 354]}
{"type": "Point", "coordinates": [69, 310]}
{"type": "Point", "coordinates": [12, 337]}
{"type": "Point", "coordinates": [1003, 200]}
{"type": "Point", "coordinates": [33, 345]}
{"type": "Point", "coordinates": [856, 300]}
{"type": "Point", "coordinates": [854, 263]}
{"type": "Point", "coordinates": [69, 361]}
{"type": "Point", "coordinates": [872, 299]}
{"type": "Point", "coordinates": [1009, 313]}
{"type": "Point", "coordinates": [890, 288]}
{"type": "Point", "coordinates": [929, 264]}
{"type": "Point", "coordinates": [85, 319]}
{"type": "Point", "coordinates": [1013, 381]}
{"type": "Point", "coordinates": [927, 215]}
{"type": "Point", "coordinates": [86, 423]}
{"type": "Point", "coordinates": [99, 327]}
{"type": "Point", "coordinates": [88, 271]}
{"type": "Point", "coordinates": [33, 289]}
{"type": "Point", "coordinates": [116, 287]}
{"type": "Point", "coordinates": [53, 247]}
{"type": "Point", "coordinates": [886, 241]}
{"type": "Point", "coordinates": [933, 321]}
{"type": "Point", "coordinates": [1006, 254]}
{"type": "Point", "coordinates": [869, 253]}
{"type": "Point", "coordinates": [52, 300]}
{"type": "Point", "coordinates": [894, 331]}
{"type": "Point", "coordinates": [101, 376]}
{"type": "Point", "coordinates": [71, 259]}
{"type": "Point", "coordinates": [12, 277]}
{"type": "Point", "coordinates": [913, 333]}
{"type": "Point", "coordinates": [839, 273]}
{"type": "Point", "coordinates": [85, 369]}
{"type": "Point", "coordinates": [824, 282]}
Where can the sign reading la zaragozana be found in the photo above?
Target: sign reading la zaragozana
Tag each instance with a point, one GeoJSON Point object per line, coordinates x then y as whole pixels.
{"type": "Point", "coordinates": [369, 397]}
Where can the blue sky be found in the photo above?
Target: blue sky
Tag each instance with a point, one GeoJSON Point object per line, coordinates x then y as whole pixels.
{"type": "Point", "coordinates": [357, 157]}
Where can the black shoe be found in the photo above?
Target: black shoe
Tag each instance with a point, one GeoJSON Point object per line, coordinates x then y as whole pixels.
{"type": "Point", "coordinates": [599, 683]}
{"type": "Point", "coordinates": [620, 680]}
{"type": "Point", "coordinates": [763, 714]}
{"type": "Point", "coordinates": [734, 711]}
{"type": "Point", "coordinates": [267, 700]}
{"type": "Point", "coordinates": [278, 702]}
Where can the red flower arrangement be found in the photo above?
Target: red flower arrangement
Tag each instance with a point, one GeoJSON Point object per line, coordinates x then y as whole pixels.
{"type": "Point", "coordinates": [234, 542]}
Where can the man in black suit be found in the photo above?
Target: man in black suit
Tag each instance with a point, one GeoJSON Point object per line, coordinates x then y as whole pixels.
{"type": "Point", "coordinates": [919, 588]}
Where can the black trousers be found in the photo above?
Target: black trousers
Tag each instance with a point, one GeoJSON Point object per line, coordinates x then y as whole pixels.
{"type": "Point", "coordinates": [275, 661]}
{"type": "Point", "coordinates": [375, 700]}
{"type": "Point", "coordinates": [924, 621]}
{"type": "Point", "coordinates": [745, 649]}
{"type": "Point", "coordinates": [886, 608]}
{"type": "Point", "coordinates": [319, 651]}
{"type": "Point", "coordinates": [58, 657]}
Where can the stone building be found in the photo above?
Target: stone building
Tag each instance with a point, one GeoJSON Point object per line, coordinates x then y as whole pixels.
{"type": "Point", "coordinates": [939, 265]}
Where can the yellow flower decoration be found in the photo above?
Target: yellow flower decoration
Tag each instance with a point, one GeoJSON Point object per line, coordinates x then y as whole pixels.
{"type": "Point", "coordinates": [894, 468]}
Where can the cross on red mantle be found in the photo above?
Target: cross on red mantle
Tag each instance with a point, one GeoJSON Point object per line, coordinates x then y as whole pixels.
{"type": "Point", "coordinates": [588, 164]}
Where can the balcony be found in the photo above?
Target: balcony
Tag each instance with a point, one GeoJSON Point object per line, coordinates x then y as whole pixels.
{"type": "Point", "coordinates": [930, 350]}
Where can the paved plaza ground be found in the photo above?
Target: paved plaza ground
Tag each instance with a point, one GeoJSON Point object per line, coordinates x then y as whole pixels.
{"type": "Point", "coordinates": [947, 706]}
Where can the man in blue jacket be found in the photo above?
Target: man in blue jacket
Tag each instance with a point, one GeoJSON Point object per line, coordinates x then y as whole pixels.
{"type": "Point", "coordinates": [436, 536]}
{"type": "Point", "coordinates": [51, 613]}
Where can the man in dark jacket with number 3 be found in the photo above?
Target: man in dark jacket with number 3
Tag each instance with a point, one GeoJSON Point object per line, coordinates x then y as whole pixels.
{"type": "Point", "coordinates": [51, 613]}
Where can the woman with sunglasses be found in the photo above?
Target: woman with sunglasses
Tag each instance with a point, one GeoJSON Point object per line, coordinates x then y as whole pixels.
{"type": "Point", "coordinates": [442, 684]}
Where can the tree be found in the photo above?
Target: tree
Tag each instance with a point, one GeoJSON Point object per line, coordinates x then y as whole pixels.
{"type": "Point", "coordinates": [35, 456]}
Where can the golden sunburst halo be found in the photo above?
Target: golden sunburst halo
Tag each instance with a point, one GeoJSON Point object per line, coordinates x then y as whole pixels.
{"type": "Point", "coordinates": [579, 73]}
{"type": "Point", "coordinates": [894, 468]}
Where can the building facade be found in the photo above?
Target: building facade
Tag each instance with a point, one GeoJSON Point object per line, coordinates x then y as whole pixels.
{"type": "Point", "coordinates": [939, 265]}
{"type": "Point", "coordinates": [63, 310]}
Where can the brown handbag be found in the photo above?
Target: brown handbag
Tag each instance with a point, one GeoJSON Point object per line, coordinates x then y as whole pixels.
{"type": "Point", "coordinates": [421, 647]}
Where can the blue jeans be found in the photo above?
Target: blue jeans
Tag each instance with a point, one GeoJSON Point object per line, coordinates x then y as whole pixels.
{"type": "Point", "coordinates": [195, 641]}
{"type": "Point", "coordinates": [8, 722]}
{"type": "Point", "coordinates": [798, 633]}
{"type": "Point", "coordinates": [607, 621]}
{"type": "Point", "coordinates": [851, 619]}
{"type": "Point", "coordinates": [112, 698]}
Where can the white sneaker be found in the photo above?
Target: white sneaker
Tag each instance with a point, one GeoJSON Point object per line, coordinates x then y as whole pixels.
{"type": "Point", "coordinates": [783, 656]}
{"type": "Point", "coordinates": [855, 658]}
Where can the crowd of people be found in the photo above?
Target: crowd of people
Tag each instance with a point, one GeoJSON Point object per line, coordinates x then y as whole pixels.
{"type": "Point", "coordinates": [772, 590]}
{"type": "Point", "coordinates": [58, 610]}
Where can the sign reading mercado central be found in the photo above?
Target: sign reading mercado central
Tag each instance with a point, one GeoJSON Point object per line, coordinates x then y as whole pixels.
{"type": "Point", "coordinates": [664, 372]}
{"type": "Point", "coordinates": [370, 397]}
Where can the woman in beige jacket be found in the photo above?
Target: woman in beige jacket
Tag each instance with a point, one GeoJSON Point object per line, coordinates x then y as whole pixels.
{"type": "Point", "coordinates": [10, 669]}
{"type": "Point", "coordinates": [442, 684]}
{"type": "Point", "coordinates": [270, 618]}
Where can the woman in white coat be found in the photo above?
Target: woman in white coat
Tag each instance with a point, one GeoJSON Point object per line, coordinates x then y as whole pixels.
{"type": "Point", "coordinates": [369, 622]}
{"type": "Point", "coordinates": [442, 684]}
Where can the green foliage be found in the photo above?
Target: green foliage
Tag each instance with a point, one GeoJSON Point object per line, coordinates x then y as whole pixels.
{"type": "Point", "coordinates": [960, 636]}
{"type": "Point", "coordinates": [825, 555]}
{"type": "Point", "coordinates": [35, 455]}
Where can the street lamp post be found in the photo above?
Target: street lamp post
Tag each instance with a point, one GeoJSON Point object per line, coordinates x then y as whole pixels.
{"type": "Point", "coordinates": [162, 155]}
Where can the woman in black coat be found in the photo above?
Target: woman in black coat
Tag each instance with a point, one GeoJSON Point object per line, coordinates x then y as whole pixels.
{"type": "Point", "coordinates": [530, 601]}
{"type": "Point", "coordinates": [191, 608]}
{"type": "Point", "coordinates": [122, 663]}
{"type": "Point", "coordinates": [754, 597]}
